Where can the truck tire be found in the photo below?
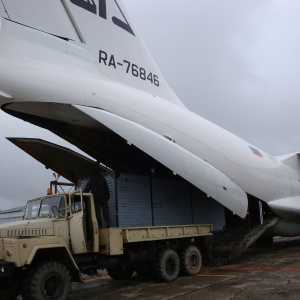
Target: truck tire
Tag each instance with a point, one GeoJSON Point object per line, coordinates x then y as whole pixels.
{"type": "Point", "coordinates": [120, 273]}
{"type": "Point", "coordinates": [167, 265]}
{"type": "Point", "coordinates": [9, 288]}
{"type": "Point", "coordinates": [47, 280]}
{"type": "Point", "coordinates": [190, 260]}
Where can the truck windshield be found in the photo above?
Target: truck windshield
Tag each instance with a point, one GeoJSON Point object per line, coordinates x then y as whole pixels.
{"type": "Point", "coordinates": [42, 208]}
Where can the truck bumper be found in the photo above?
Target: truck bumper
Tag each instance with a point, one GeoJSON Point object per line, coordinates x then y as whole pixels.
{"type": "Point", "coordinates": [6, 269]}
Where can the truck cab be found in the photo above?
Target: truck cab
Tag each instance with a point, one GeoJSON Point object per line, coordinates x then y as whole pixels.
{"type": "Point", "coordinates": [77, 211]}
{"type": "Point", "coordinates": [55, 227]}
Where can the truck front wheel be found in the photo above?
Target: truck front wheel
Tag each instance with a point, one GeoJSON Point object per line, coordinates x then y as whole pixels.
{"type": "Point", "coordinates": [9, 288]}
{"type": "Point", "coordinates": [47, 280]}
{"type": "Point", "coordinates": [166, 267]}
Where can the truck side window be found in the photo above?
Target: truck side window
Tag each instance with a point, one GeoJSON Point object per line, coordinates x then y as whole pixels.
{"type": "Point", "coordinates": [76, 204]}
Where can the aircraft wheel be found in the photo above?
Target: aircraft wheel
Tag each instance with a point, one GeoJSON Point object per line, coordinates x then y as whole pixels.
{"type": "Point", "coordinates": [190, 260]}
{"type": "Point", "coordinates": [166, 267]}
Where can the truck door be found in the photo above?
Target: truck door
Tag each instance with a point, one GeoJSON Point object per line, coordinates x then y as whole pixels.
{"type": "Point", "coordinates": [78, 224]}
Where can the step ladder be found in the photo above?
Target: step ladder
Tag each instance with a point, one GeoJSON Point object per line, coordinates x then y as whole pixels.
{"type": "Point", "coordinates": [233, 245]}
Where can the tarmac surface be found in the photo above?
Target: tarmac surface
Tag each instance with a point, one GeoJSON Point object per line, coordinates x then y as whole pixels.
{"type": "Point", "coordinates": [264, 273]}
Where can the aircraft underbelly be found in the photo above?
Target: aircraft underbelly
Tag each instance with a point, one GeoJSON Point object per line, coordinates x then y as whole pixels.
{"type": "Point", "coordinates": [176, 158]}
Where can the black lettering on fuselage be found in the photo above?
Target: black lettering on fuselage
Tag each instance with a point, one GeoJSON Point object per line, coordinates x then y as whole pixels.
{"type": "Point", "coordinates": [102, 57]}
{"type": "Point", "coordinates": [102, 9]}
{"type": "Point", "coordinates": [124, 25]}
{"type": "Point", "coordinates": [112, 61]}
{"type": "Point", "coordinates": [90, 6]}
{"type": "Point", "coordinates": [86, 4]}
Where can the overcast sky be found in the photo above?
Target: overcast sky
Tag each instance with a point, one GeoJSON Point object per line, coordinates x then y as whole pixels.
{"type": "Point", "coordinates": [236, 63]}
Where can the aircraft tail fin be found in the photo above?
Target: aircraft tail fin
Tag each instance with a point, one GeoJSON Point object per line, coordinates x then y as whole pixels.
{"type": "Point", "coordinates": [102, 27]}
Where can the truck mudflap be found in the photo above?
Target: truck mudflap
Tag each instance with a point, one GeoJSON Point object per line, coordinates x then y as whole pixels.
{"type": "Point", "coordinates": [6, 269]}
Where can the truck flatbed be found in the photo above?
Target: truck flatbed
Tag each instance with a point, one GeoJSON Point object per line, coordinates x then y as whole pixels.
{"type": "Point", "coordinates": [142, 234]}
{"type": "Point", "coordinates": [112, 240]}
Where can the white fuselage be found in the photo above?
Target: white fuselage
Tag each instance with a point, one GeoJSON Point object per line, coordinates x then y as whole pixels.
{"type": "Point", "coordinates": [61, 72]}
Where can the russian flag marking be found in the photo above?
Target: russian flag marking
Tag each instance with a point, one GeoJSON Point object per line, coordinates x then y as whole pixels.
{"type": "Point", "coordinates": [255, 151]}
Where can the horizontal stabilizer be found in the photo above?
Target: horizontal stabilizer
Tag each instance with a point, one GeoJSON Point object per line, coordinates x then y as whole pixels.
{"type": "Point", "coordinates": [182, 162]}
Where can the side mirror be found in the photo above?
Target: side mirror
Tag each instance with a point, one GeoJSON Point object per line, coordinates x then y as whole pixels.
{"type": "Point", "coordinates": [55, 212]}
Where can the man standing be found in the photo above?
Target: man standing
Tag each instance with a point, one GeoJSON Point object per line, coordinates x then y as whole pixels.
{"type": "Point", "coordinates": [97, 185]}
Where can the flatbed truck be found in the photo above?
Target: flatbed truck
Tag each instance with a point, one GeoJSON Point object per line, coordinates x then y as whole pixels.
{"type": "Point", "coordinates": [59, 240]}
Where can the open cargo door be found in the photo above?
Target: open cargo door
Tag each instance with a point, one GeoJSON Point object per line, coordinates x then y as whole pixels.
{"type": "Point", "coordinates": [67, 163]}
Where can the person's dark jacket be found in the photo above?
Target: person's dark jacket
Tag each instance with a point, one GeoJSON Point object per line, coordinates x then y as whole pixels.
{"type": "Point", "coordinates": [97, 185]}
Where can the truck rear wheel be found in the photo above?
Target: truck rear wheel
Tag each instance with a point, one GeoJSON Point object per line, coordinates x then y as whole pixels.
{"type": "Point", "coordinates": [166, 267]}
{"type": "Point", "coordinates": [120, 273]}
{"type": "Point", "coordinates": [190, 260]}
{"type": "Point", "coordinates": [47, 280]}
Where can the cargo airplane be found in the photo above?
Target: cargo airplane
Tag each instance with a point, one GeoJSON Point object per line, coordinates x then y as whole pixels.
{"type": "Point", "coordinates": [79, 69]}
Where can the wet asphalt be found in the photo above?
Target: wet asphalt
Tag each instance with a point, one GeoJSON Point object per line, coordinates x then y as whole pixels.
{"type": "Point", "coordinates": [263, 273]}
